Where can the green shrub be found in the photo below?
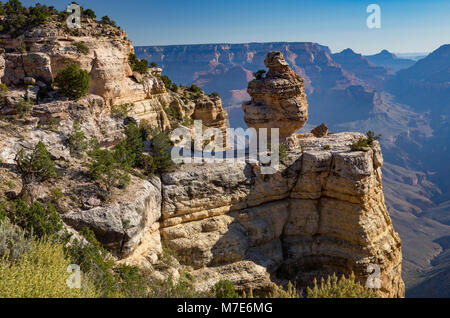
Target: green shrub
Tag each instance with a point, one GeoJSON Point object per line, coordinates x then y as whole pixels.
{"type": "Point", "coordinates": [41, 273]}
{"type": "Point", "coordinates": [73, 82]}
{"type": "Point", "coordinates": [283, 153]}
{"type": "Point", "coordinates": [168, 83]}
{"type": "Point", "coordinates": [340, 288]}
{"type": "Point", "coordinates": [183, 288]}
{"type": "Point", "coordinates": [148, 131]}
{"type": "Point", "coordinates": [121, 111]}
{"type": "Point", "coordinates": [110, 280]}
{"type": "Point", "coordinates": [105, 169]}
{"type": "Point", "coordinates": [23, 107]}
{"type": "Point", "coordinates": [77, 140]}
{"type": "Point", "coordinates": [13, 241]}
{"type": "Point", "coordinates": [95, 262]}
{"type": "Point", "coordinates": [278, 292]}
{"type": "Point", "coordinates": [107, 20]}
{"type": "Point", "coordinates": [88, 13]}
{"type": "Point", "coordinates": [195, 89]}
{"type": "Point", "coordinates": [224, 289]}
{"type": "Point", "coordinates": [162, 147]}
{"type": "Point", "coordinates": [362, 144]}
{"type": "Point", "coordinates": [134, 143]}
{"type": "Point", "coordinates": [132, 281]}
{"type": "Point", "coordinates": [137, 65]}
{"type": "Point", "coordinates": [153, 64]}
{"type": "Point", "coordinates": [259, 74]}
{"type": "Point", "coordinates": [188, 122]}
{"type": "Point", "coordinates": [36, 219]}
{"type": "Point", "coordinates": [81, 47]}
{"type": "Point", "coordinates": [35, 166]}
{"type": "Point", "coordinates": [215, 94]}
{"type": "Point", "coordinates": [55, 198]}
{"type": "Point", "coordinates": [19, 19]}
{"type": "Point", "coordinates": [173, 115]}
{"type": "Point", "coordinates": [371, 137]}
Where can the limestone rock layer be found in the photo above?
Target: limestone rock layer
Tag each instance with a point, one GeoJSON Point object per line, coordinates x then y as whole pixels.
{"type": "Point", "coordinates": [323, 212]}
{"type": "Point", "coordinates": [278, 100]}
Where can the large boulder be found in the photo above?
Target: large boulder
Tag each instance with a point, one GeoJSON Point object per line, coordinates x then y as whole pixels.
{"type": "Point", "coordinates": [278, 100]}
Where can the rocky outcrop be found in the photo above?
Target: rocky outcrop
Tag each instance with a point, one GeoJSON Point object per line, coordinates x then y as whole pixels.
{"type": "Point", "coordinates": [124, 225]}
{"type": "Point", "coordinates": [51, 47]}
{"type": "Point", "coordinates": [323, 212]}
{"type": "Point", "coordinates": [278, 100]}
{"type": "Point", "coordinates": [18, 67]}
{"type": "Point", "coordinates": [209, 110]}
{"type": "Point", "coordinates": [320, 131]}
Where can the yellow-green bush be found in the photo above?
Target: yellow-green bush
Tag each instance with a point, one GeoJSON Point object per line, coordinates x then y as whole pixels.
{"type": "Point", "coordinates": [279, 292]}
{"type": "Point", "coordinates": [41, 273]}
{"type": "Point", "coordinates": [224, 289]}
{"type": "Point", "coordinates": [340, 288]}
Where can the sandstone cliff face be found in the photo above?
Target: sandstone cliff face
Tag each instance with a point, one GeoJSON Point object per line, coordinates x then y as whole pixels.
{"type": "Point", "coordinates": [278, 100]}
{"type": "Point", "coordinates": [209, 110]}
{"type": "Point", "coordinates": [50, 47]}
{"type": "Point", "coordinates": [323, 212]}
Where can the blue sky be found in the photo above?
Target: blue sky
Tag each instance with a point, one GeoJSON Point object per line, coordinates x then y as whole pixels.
{"type": "Point", "coordinates": [406, 25]}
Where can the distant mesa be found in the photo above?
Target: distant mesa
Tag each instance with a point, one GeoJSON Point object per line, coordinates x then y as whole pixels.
{"type": "Point", "coordinates": [390, 60]}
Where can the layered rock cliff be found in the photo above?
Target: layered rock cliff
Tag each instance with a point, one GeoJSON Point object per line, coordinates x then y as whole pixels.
{"type": "Point", "coordinates": [105, 54]}
{"type": "Point", "coordinates": [322, 212]}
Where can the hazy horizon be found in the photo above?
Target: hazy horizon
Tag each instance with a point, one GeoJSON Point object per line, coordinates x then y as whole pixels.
{"type": "Point", "coordinates": [322, 44]}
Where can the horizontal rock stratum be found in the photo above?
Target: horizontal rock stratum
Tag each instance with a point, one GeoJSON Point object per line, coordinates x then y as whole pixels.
{"type": "Point", "coordinates": [323, 212]}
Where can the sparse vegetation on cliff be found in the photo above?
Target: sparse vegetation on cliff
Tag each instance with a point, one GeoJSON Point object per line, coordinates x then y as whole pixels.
{"type": "Point", "coordinates": [19, 19]}
{"type": "Point", "coordinates": [77, 140]}
{"type": "Point", "coordinates": [35, 166]}
{"type": "Point", "coordinates": [121, 111]}
{"type": "Point", "coordinates": [168, 83]}
{"type": "Point", "coordinates": [36, 219]}
{"type": "Point", "coordinates": [362, 144]}
{"type": "Point", "coordinates": [81, 47]}
{"type": "Point", "coordinates": [344, 287]}
{"type": "Point", "coordinates": [23, 107]}
{"type": "Point", "coordinates": [137, 65]}
{"type": "Point", "coordinates": [224, 289]}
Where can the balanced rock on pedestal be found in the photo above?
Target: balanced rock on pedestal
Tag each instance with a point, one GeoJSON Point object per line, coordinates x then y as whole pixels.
{"type": "Point", "coordinates": [278, 100]}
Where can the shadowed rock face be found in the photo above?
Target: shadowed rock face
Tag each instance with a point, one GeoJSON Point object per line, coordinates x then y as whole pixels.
{"type": "Point", "coordinates": [278, 100]}
{"type": "Point", "coordinates": [323, 212]}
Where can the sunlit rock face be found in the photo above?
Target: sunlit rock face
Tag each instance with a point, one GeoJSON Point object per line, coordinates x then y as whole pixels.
{"type": "Point", "coordinates": [278, 100]}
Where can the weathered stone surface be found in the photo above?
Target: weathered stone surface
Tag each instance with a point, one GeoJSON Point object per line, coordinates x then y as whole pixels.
{"type": "Point", "coordinates": [320, 131]}
{"type": "Point", "coordinates": [209, 110]}
{"type": "Point", "coordinates": [20, 66]}
{"type": "Point", "coordinates": [322, 213]}
{"type": "Point", "coordinates": [278, 100]}
{"type": "Point", "coordinates": [122, 226]}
